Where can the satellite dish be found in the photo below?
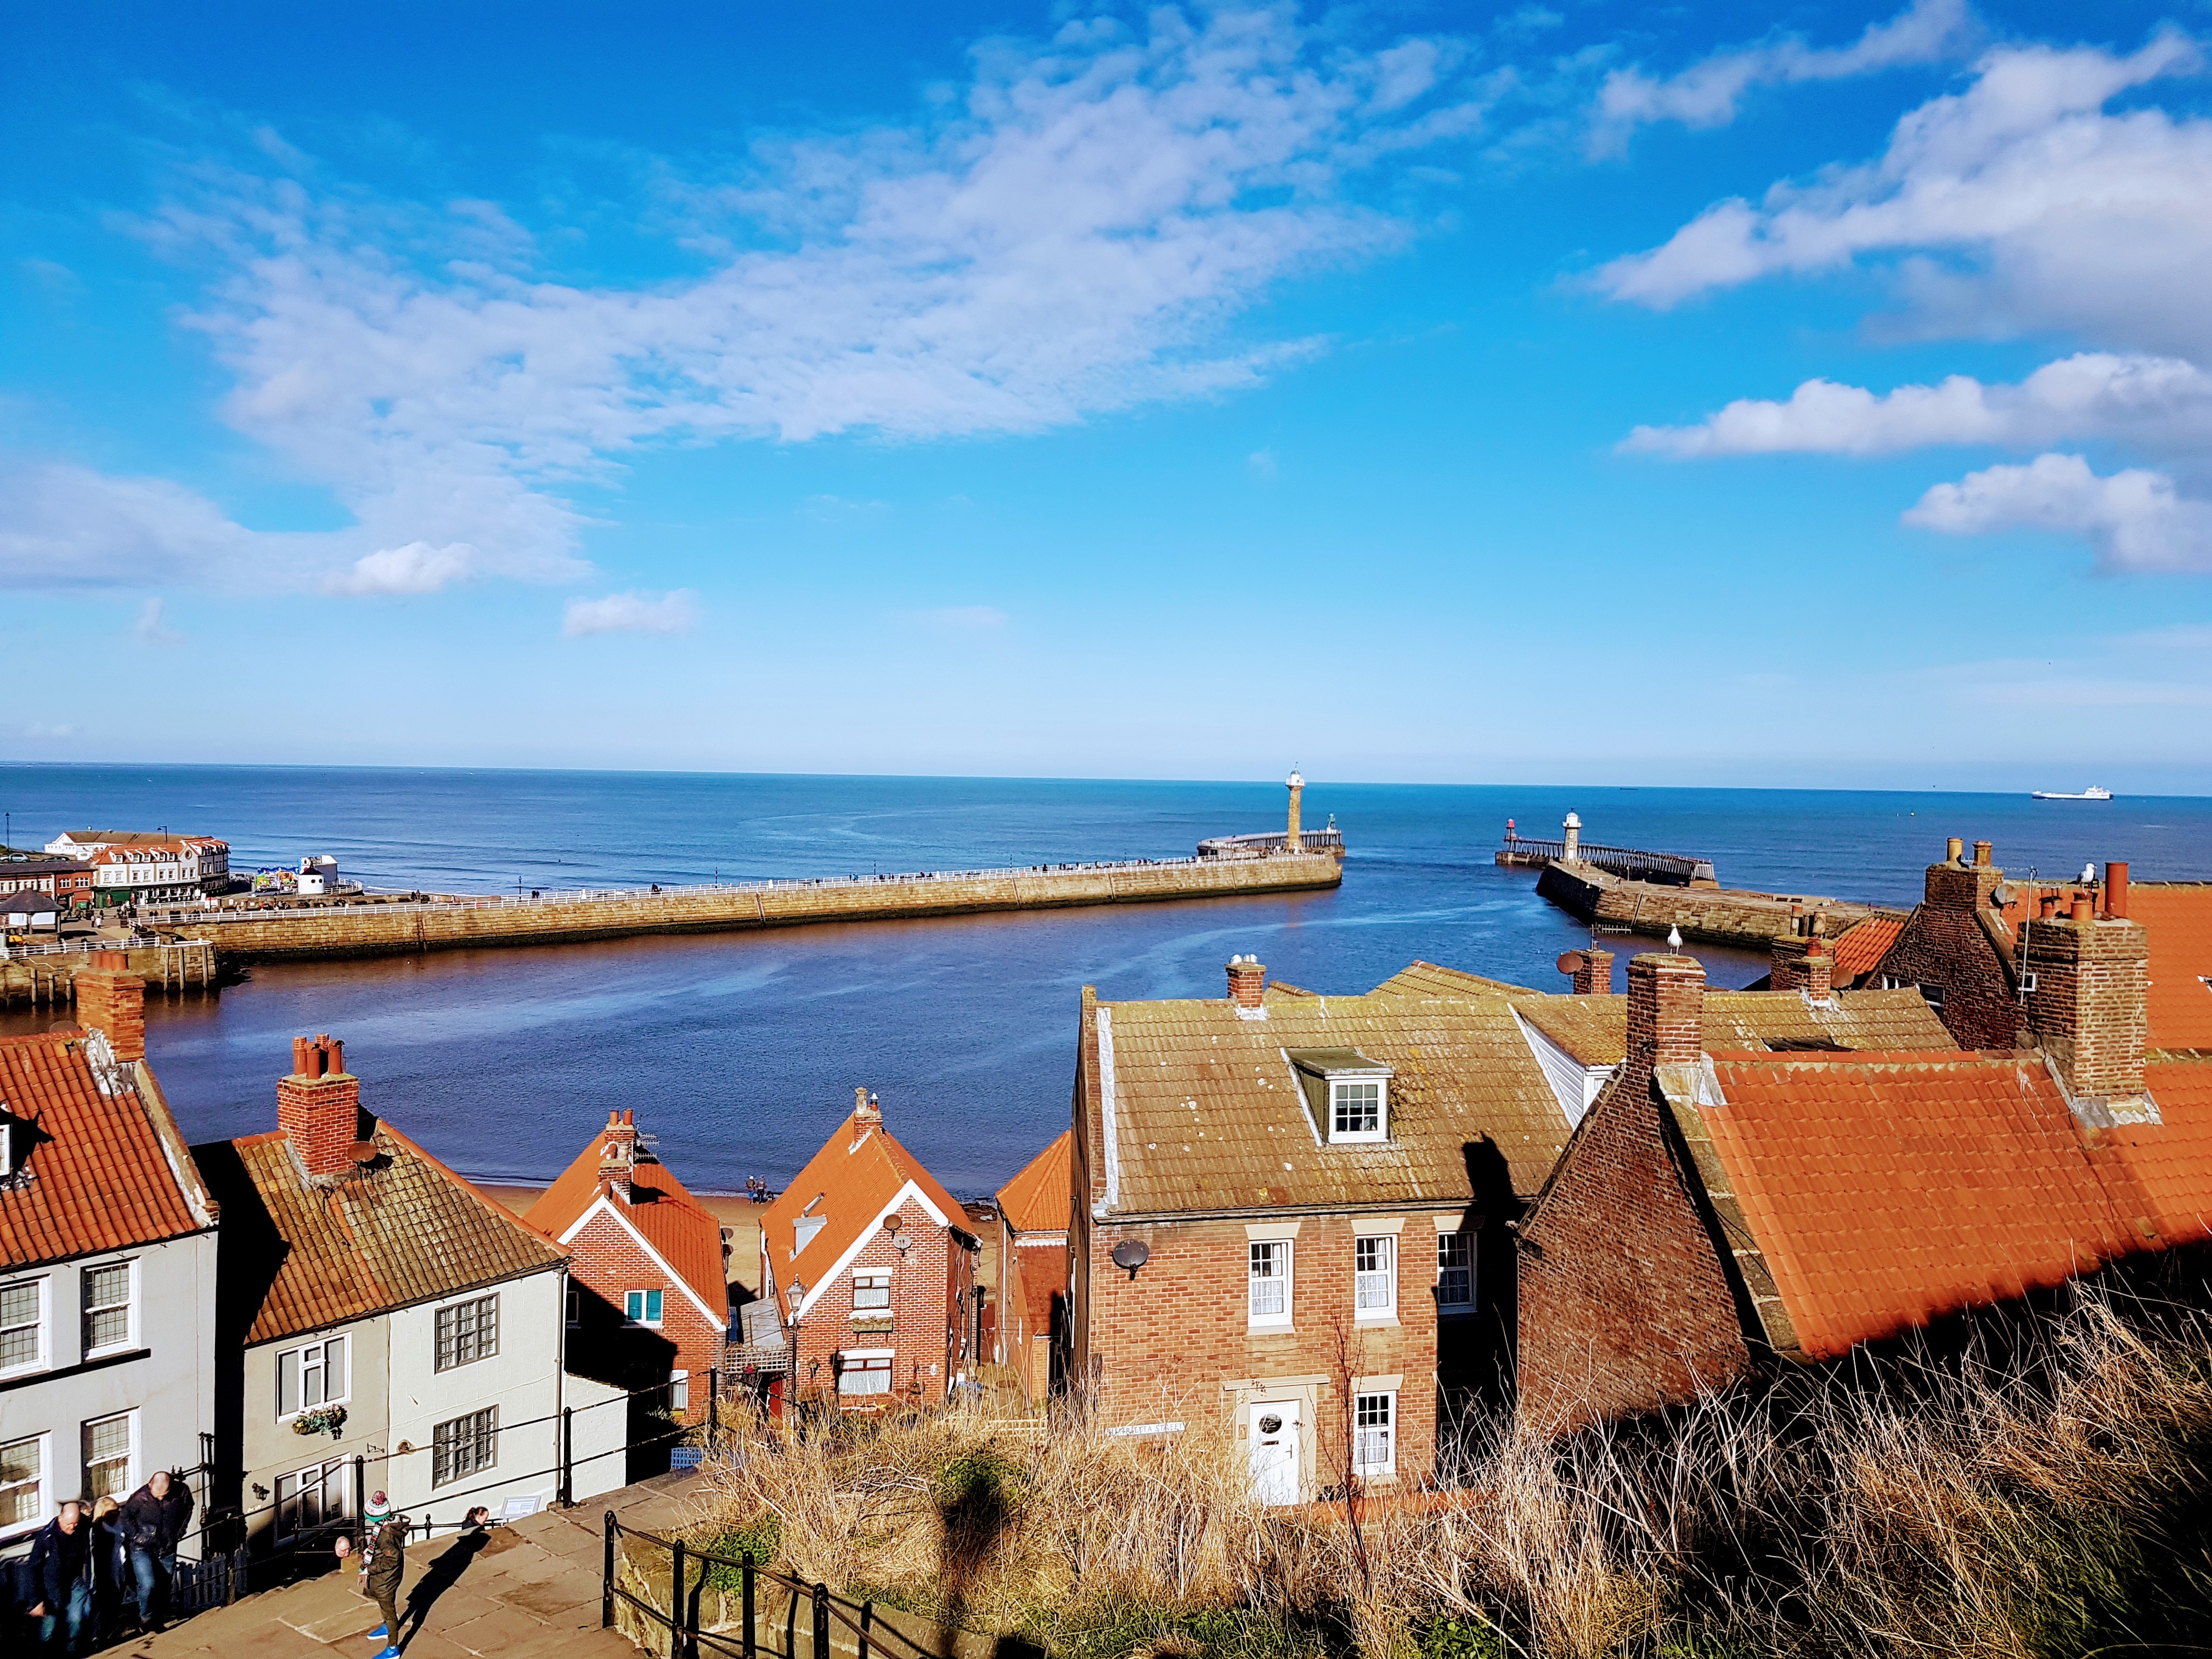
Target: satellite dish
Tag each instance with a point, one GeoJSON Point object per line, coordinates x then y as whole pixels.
{"type": "Point", "coordinates": [1572, 962]}
{"type": "Point", "coordinates": [900, 1242]}
{"type": "Point", "coordinates": [1132, 1254]}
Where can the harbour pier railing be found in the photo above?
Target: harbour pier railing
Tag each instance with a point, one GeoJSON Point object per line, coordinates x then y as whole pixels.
{"type": "Point", "coordinates": [1633, 864]}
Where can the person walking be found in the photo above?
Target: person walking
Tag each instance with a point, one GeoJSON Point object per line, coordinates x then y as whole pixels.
{"type": "Point", "coordinates": [111, 1567]}
{"type": "Point", "coordinates": [153, 1520]}
{"type": "Point", "coordinates": [386, 1561]}
{"type": "Point", "coordinates": [61, 1579]}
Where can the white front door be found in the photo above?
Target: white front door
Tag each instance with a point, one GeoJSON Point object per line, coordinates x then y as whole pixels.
{"type": "Point", "coordinates": [1275, 1449]}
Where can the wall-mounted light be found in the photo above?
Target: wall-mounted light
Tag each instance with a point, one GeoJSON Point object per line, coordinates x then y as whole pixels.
{"type": "Point", "coordinates": [1132, 1254]}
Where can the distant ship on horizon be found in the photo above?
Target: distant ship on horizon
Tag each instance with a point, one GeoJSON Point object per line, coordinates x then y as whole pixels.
{"type": "Point", "coordinates": [2093, 792]}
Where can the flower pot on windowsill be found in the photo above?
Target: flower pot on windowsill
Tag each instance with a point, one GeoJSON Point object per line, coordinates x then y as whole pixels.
{"type": "Point", "coordinates": [329, 1419]}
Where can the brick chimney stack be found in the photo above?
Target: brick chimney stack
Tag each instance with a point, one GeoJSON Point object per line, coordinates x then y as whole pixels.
{"type": "Point", "coordinates": [319, 1107]}
{"type": "Point", "coordinates": [618, 1153]}
{"type": "Point", "coordinates": [1594, 977]}
{"type": "Point", "coordinates": [868, 1110]}
{"type": "Point", "coordinates": [1957, 885]}
{"type": "Point", "coordinates": [1819, 969]}
{"type": "Point", "coordinates": [2087, 1008]}
{"type": "Point", "coordinates": [1247, 984]}
{"type": "Point", "coordinates": [1666, 1010]}
{"type": "Point", "coordinates": [111, 1000]}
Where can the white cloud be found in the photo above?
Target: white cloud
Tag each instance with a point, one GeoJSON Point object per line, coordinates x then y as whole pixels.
{"type": "Point", "coordinates": [2017, 204]}
{"type": "Point", "coordinates": [676, 612]}
{"type": "Point", "coordinates": [1706, 94]}
{"type": "Point", "coordinates": [418, 568]}
{"type": "Point", "coordinates": [2163, 403]}
{"type": "Point", "coordinates": [2135, 519]}
{"type": "Point", "coordinates": [67, 525]}
{"type": "Point", "coordinates": [1073, 234]}
{"type": "Point", "coordinates": [152, 627]}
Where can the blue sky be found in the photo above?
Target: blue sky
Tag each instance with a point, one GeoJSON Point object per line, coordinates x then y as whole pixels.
{"type": "Point", "coordinates": [1555, 392]}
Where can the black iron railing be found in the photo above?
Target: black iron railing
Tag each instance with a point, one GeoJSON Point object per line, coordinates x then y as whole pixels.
{"type": "Point", "coordinates": [686, 1638]}
{"type": "Point", "coordinates": [1636, 865]}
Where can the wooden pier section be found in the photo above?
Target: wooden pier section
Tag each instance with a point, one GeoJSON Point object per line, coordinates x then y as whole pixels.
{"type": "Point", "coordinates": [1714, 915]}
{"type": "Point", "coordinates": [47, 979]}
{"type": "Point", "coordinates": [390, 928]}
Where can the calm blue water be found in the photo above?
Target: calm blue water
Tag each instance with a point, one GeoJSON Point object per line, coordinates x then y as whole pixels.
{"type": "Point", "coordinates": [740, 1052]}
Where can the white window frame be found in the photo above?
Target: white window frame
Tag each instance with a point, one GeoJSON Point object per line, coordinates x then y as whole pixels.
{"type": "Point", "coordinates": [1337, 1088]}
{"type": "Point", "coordinates": [1278, 1320]}
{"type": "Point", "coordinates": [44, 1359]}
{"type": "Point", "coordinates": [642, 1299]}
{"type": "Point", "coordinates": [472, 1426]}
{"type": "Point", "coordinates": [880, 1280]}
{"type": "Point", "coordinates": [1383, 1401]}
{"type": "Point", "coordinates": [868, 1363]}
{"type": "Point", "coordinates": [1381, 1278]}
{"type": "Point", "coordinates": [130, 1483]}
{"type": "Point", "coordinates": [478, 1350]}
{"type": "Point", "coordinates": [40, 1484]}
{"type": "Point", "coordinates": [129, 1305]}
{"type": "Point", "coordinates": [321, 1348]}
{"type": "Point", "coordinates": [1444, 1242]}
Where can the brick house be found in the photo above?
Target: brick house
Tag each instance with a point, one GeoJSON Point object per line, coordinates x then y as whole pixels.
{"type": "Point", "coordinates": [648, 1290]}
{"type": "Point", "coordinates": [68, 880]}
{"type": "Point", "coordinates": [873, 1270]}
{"type": "Point", "coordinates": [1722, 1209]}
{"type": "Point", "coordinates": [373, 1301]}
{"type": "Point", "coordinates": [1032, 1251]}
{"type": "Point", "coordinates": [107, 1265]}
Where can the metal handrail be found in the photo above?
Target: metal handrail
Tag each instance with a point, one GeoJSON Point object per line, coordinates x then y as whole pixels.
{"type": "Point", "coordinates": [1606, 857]}
{"type": "Point", "coordinates": [682, 1622]}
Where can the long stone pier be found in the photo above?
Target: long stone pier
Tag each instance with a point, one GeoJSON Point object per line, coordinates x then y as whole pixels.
{"type": "Point", "coordinates": [48, 979]}
{"type": "Point", "coordinates": [388, 928]}
{"type": "Point", "coordinates": [1715, 916]}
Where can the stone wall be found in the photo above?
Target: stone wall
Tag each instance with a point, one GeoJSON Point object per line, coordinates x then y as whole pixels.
{"type": "Point", "coordinates": [48, 980]}
{"type": "Point", "coordinates": [388, 929]}
{"type": "Point", "coordinates": [1715, 916]}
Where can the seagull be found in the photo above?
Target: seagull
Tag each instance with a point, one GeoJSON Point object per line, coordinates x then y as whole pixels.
{"type": "Point", "coordinates": [2089, 871]}
{"type": "Point", "coordinates": [1674, 938]}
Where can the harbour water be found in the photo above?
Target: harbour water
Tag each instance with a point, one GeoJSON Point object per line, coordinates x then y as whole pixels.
{"type": "Point", "coordinates": [739, 1052]}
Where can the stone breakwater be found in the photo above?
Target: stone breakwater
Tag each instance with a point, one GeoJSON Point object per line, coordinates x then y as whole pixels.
{"type": "Point", "coordinates": [1713, 915]}
{"type": "Point", "coordinates": [48, 979]}
{"type": "Point", "coordinates": [391, 929]}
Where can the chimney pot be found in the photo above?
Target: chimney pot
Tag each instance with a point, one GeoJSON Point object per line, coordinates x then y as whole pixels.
{"type": "Point", "coordinates": [1981, 854]}
{"type": "Point", "coordinates": [320, 1109]}
{"type": "Point", "coordinates": [1953, 849]}
{"type": "Point", "coordinates": [2082, 910]}
{"type": "Point", "coordinates": [2116, 889]}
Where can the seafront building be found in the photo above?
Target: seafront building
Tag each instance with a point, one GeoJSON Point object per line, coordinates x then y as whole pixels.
{"type": "Point", "coordinates": [871, 1266]}
{"type": "Point", "coordinates": [649, 1301]}
{"type": "Point", "coordinates": [1304, 1210]}
{"type": "Point", "coordinates": [142, 867]}
{"type": "Point", "coordinates": [107, 1265]}
{"type": "Point", "coordinates": [1031, 1332]}
{"type": "Point", "coordinates": [67, 879]}
{"type": "Point", "coordinates": [374, 1303]}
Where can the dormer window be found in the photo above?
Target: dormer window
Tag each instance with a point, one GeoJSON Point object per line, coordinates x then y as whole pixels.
{"type": "Point", "coordinates": [1347, 1094]}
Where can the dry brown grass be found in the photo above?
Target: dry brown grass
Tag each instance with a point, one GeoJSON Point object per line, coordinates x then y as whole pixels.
{"type": "Point", "coordinates": [2046, 1507]}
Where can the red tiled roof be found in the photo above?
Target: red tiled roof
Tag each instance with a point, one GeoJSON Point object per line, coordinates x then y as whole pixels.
{"type": "Point", "coordinates": [2164, 1186]}
{"type": "Point", "coordinates": [1037, 1200]}
{"type": "Point", "coordinates": [858, 1170]}
{"type": "Point", "coordinates": [1886, 1189]}
{"type": "Point", "coordinates": [1859, 948]}
{"type": "Point", "coordinates": [106, 1168]}
{"type": "Point", "coordinates": [401, 1229]}
{"type": "Point", "coordinates": [2178, 917]}
{"type": "Point", "coordinates": [665, 1216]}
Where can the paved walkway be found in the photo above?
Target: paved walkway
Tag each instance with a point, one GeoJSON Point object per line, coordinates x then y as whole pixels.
{"type": "Point", "coordinates": [532, 1592]}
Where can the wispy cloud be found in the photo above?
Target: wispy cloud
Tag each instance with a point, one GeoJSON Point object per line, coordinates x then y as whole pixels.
{"type": "Point", "coordinates": [1262, 463]}
{"type": "Point", "coordinates": [152, 626]}
{"type": "Point", "coordinates": [1074, 235]}
{"type": "Point", "coordinates": [676, 612]}
{"type": "Point", "coordinates": [968, 618]}
{"type": "Point", "coordinates": [1708, 93]}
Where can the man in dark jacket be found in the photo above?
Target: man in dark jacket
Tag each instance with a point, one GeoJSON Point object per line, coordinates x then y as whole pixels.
{"type": "Point", "coordinates": [61, 1579]}
{"type": "Point", "coordinates": [153, 1520]}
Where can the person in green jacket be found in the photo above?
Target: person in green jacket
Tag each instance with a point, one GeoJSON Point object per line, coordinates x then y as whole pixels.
{"type": "Point", "coordinates": [387, 1560]}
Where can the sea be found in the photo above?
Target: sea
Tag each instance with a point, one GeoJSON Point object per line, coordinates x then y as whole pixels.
{"type": "Point", "coordinates": [739, 1053]}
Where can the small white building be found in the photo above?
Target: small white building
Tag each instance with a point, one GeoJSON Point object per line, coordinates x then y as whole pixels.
{"type": "Point", "coordinates": [375, 1304]}
{"type": "Point", "coordinates": [107, 1267]}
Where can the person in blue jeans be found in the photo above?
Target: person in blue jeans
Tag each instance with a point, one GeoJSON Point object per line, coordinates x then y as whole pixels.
{"type": "Point", "coordinates": [154, 1519]}
{"type": "Point", "coordinates": [61, 1579]}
